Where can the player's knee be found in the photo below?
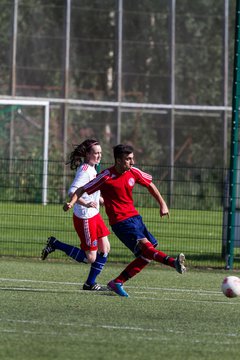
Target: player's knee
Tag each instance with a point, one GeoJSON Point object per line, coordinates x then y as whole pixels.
{"type": "Point", "coordinates": [104, 247]}
{"type": "Point", "coordinates": [91, 257]}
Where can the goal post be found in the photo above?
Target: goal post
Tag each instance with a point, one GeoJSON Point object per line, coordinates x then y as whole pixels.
{"type": "Point", "coordinates": [46, 110]}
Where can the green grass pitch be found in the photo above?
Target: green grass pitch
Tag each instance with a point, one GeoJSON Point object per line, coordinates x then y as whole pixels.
{"type": "Point", "coordinates": [45, 314]}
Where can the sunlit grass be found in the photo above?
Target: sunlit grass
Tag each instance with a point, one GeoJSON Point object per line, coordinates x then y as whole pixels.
{"type": "Point", "coordinates": [45, 314]}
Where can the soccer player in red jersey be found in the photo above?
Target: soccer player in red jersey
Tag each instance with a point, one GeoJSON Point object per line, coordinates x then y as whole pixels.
{"type": "Point", "coordinates": [88, 223]}
{"type": "Point", "coordinates": [116, 185]}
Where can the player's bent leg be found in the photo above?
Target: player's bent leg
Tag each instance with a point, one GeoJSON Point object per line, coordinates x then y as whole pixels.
{"type": "Point", "coordinates": [151, 253]}
{"type": "Point", "coordinates": [91, 255]}
{"type": "Point", "coordinates": [54, 244]}
{"type": "Point", "coordinates": [103, 245]}
{"type": "Point", "coordinates": [132, 269]}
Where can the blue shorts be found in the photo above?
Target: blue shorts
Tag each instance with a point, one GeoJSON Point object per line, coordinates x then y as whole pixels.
{"type": "Point", "coordinates": [130, 231]}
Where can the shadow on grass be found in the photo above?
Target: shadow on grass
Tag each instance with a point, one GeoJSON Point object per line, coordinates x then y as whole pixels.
{"type": "Point", "coordinates": [21, 289]}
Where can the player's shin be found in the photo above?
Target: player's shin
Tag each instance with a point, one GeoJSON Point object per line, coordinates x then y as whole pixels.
{"type": "Point", "coordinates": [75, 253]}
{"type": "Point", "coordinates": [96, 268]}
{"type": "Point", "coordinates": [132, 269]}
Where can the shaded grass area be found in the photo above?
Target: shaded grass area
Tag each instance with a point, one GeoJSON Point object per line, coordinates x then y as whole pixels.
{"type": "Point", "coordinates": [25, 228]}
{"type": "Point", "coordinates": [46, 315]}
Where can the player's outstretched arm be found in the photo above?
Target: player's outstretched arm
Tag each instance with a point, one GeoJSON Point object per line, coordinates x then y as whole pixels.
{"type": "Point", "coordinates": [78, 193]}
{"type": "Point", "coordinates": [156, 194]}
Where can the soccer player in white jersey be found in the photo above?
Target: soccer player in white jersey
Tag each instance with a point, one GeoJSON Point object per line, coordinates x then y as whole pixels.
{"type": "Point", "coordinates": [88, 223]}
{"type": "Point", "coordinates": [116, 184]}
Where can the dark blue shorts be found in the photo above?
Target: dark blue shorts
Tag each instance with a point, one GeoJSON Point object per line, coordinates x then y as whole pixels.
{"type": "Point", "coordinates": [130, 231]}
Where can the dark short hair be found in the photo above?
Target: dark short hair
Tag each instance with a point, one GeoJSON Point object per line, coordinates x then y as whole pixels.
{"type": "Point", "coordinates": [121, 149]}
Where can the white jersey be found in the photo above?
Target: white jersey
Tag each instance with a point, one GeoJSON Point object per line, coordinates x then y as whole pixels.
{"type": "Point", "coordinates": [84, 174]}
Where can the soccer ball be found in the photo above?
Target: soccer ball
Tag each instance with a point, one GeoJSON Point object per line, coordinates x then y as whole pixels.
{"type": "Point", "coordinates": [231, 286]}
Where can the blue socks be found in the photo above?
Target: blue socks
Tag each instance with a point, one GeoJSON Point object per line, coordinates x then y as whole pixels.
{"type": "Point", "coordinates": [80, 256]}
{"type": "Point", "coordinates": [72, 251]}
{"type": "Point", "coordinates": [96, 268]}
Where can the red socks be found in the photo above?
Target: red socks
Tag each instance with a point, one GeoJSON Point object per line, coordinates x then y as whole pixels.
{"type": "Point", "coordinates": [151, 253]}
{"type": "Point", "coordinates": [148, 253]}
{"type": "Point", "coordinates": [132, 269]}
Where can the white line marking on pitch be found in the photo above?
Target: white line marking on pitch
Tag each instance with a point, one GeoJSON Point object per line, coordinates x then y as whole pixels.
{"type": "Point", "coordinates": [154, 332]}
{"type": "Point", "coordinates": [198, 291]}
{"type": "Point", "coordinates": [135, 297]}
{"type": "Point", "coordinates": [111, 327]}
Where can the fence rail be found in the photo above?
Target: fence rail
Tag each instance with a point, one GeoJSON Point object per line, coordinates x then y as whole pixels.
{"type": "Point", "coordinates": [196, 226]}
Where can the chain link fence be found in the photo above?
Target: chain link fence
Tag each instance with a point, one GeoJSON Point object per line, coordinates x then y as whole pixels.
{"type": "Point", "coordinates": [196, 224]}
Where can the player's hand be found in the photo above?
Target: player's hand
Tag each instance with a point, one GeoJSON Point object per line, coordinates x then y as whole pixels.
{"type": "Point", "coordinates": [164, 210]}
{"type": "Point", "coordinates": [101, 201]}
{"type": "Point", "coordinates": [91, 204]}
{"type": "Point", "coordinates": [164, 214]}
{"type": "Point", "coordinates": [67, 206]}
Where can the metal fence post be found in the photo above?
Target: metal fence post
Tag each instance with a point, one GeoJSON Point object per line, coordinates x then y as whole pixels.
{"type": "Point", "coordinates": [234, 144]}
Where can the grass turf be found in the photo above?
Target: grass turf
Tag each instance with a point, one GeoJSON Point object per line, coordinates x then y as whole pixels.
{"type": "Point", "coordinates": [46, 315]}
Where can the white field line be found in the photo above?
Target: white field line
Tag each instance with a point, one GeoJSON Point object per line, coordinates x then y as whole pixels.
{"type": "Point", "coordinates": [62, 324]}
{"type": "Point", "coordinates": [198, 291]}
{"type": "Point", "coordinates": [38, 289]}
{"type": "Point", "coordinates": [111, 327]}
{"type": "Point", "coordinates": [112, 294]}
{"type": "Point", "coordinates": [163, 338]}
{"type": "Point", "coordinates": [236, 302]}
{"type": "Point", "coordinates": [135, 289]}
{"type": "Point", "coordinates": [160, 334]}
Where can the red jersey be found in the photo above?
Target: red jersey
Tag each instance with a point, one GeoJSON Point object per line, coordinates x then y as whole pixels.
{"type": "Point", "coordinates": [116, 190]}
